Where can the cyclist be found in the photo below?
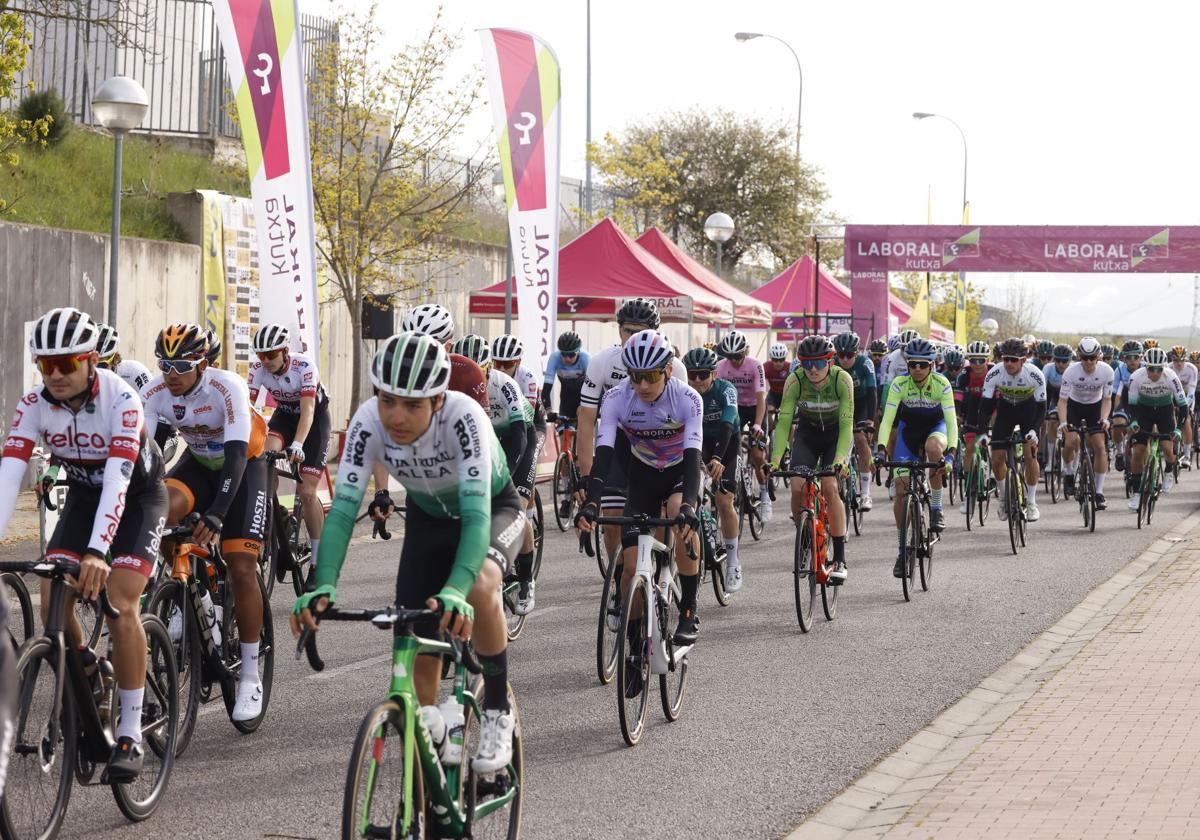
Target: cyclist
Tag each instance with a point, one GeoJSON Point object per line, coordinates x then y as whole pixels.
{"type": "Point", "coordinates": [862, 372]}
{"type": "Point", "coordinates": [214, 348]}
{"type": "Point", "coordinates": [893, 363]}
{"type": "Point", "coordinates": [222, 477]}
{"type": "Point", "coordinates": [1186, 372]}
{"type": "Point", "coordinates": [300, 423]}
{"type": "Point", "coordinates": [720, 451]}
{"type": "Point", "coordinates": [93, 423]}
{"type": "Point", "coordinates": [507, 351]}
{"type": "Point", "coordinates": [921, 404]}
{"type": "Point", "coordinates": [512, 421]}
{"type": "Point", "coordinates": [1060, 358]}
{"type": "Point", "coordinates": [821, 397]}
{"type": "Point", "coordinates": [458, 515]}
{"type": "Point", "coordinates": [466, 376]}
{"type": "Point", "coordinates": [606, 370]}
{"type": "Point", "coordinates": [1131, 356]}
{"type": "Point", "coordinates": [568, 364]}
{"type": "Point", "coordinates": [1108, 354]}
{"type": "Point", "coordinates": [1155, 394]}
{"type": "Point", "coordinates": [1085, 399]}
{"type": "Point", "coordinates": [1016, 391]}
{"type": "Point", "coordinates": [1043, 354]}
{"type": "Point", "coordinates": [968, 390]}
{"type": "Point", "coordinates": [108, 340]}
{"type": "Point", "coordinates": [746, 374]}
{"type": "Point", "coordinates": [776, 371]}
{"type": "Point", "coordinates": [663, 421]}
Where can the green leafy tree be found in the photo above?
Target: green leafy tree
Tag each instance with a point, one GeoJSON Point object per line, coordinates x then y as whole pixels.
{"type": "Point", "coordinates": [643, 182]}
{"type": "Point", "coordinates": [15, 132]}
{"type": "Point", "coordinates": [907, 287]}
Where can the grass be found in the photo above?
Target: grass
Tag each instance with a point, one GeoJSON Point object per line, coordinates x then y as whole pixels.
{"type": "Point", "coordinates": [69, 185]}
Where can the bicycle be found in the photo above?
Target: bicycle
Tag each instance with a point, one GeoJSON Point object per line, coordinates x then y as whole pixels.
{"type": "Point", "coordinates": [566, 475]}
{"type": "Point", "coordinates": [61, 728]}
{"type": "Point", "coordinates": [1014, 495]}
{"type": "Point", "coordinates": [848, 484]}
{"type": "Point", "coordinates": [646, 646]}
{"type": "Point", "coordinates": [712, 545]}
{"type": "Point", "coordinates": [53, 496]}
{"type": "Point", "coordinates": [20, 609]}
{"type": "Point", "coordinates": [748, 501]}
{"type": "Point", "coordinates": [397, 783]}
{"type": "Point", "coordinates": [512, 582]}
{"type": "Point", "coordinates": [1085, 479]}
{"type": "Point", "coordinates": [1151, 484]}
{"type": "Point", "coordinates": [980, 486]}
{"type": "Point", "coordinates": [286, 545]}
{"type": "Point", "coordinates": [916, 539]}
{"type": "Point", "coordinates": [201, 614]}
{"type": "Point", "coordinates": [1050, 456]}
{"type": "Point", "coordinates": [812, 544]}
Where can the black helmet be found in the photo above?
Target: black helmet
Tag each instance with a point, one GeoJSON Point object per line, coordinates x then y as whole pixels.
{"type": "Point", "coordinates": [846, 342]}
{"type": "Point", "coordinates": [877, 346]}
{"type": "Point", "coordinates": [569, 342]}
{"type": "Point", "coordinates": [700, 358]}
{"type": "Point", "coordinates": [1131, 348]}
{"type": "Point", "coordinates": [1062, 353]}
{"type": "Point", "coordinates": [814, 347]}
{"type": "Point", "coordinates": [1013, 347]}
{"type": "Point", "coordinates": [214, 348]}
{"type": "Point", "coordinates": [1045, 348]}
{"type": "Point", "coordinates": [953, 357]}
{"type": "Point", "coordinates": [639, 311]}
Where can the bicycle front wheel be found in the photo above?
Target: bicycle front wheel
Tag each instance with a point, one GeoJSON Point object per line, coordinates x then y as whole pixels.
{"type": "Point", "coordinates": [20, 608]}
{"type": "Point", "coordinates": [802, 570]}
{"type": "Point", "coordinates": [926, 557]}
{"type": "Point", "coordinates": [301, 550]}
{"type": "Point", "coordinates": [172, 604]}
{"type": "Point", "coordinates": [374, 804]}
{"type": "Point", "coordinates": [563, 495]}
{"type": "Point", "coordinates": [493, 801]}
{"type": "Point", "coordinates": [1012, 501]}
{"type": "Point", "coordinates": [266, 657]}
{"type": "Point", "coordinates": [633, 661]}
{"type": "Point", "coordinates": [609, 624]}
{"type": "Point", "coordinates": [910, 538]}
{"type": "Point", "coordinates": [969, 494]}
{"type": "Point", "coordinates": [41, 764]}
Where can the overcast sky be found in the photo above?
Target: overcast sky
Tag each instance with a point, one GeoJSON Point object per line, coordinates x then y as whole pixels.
{"type": "Point", "coordinates": [1074, 112]}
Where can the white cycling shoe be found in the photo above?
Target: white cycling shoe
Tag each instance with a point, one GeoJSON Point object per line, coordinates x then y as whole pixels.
{"type": "Point", "coordinates": [249, 702]}
{"type": "Point", "coordinates": [733, 578]}
{"type": "Point", "coordinates": [495, 741]}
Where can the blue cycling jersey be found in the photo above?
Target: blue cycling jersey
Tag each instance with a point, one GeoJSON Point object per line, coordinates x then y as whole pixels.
{"type": "Point", "coordinates": [566, 372]}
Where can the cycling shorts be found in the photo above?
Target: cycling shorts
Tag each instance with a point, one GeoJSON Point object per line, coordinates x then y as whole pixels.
{"type": "Point", "coordinates": [729, 458]}
{"type": "Point", "coordinates": [568, 398]}
{"type": "Point", "coordinates": [525, 474]}
{"type": "Point", "coordinates": [813, 447]}
{"type": "Point", "coordinates": [911, 438]}
{"type": "Point", "coordinates": [1082, 414]}
{"type": "Point", "coordinates": [1009, 416]}
{"type": "Point", "coordinates": [649, 489]}
{"type": "Point", "coordinates": [431, 542]}
{"type": "Point", "coordinates": [135, 543]}
{"type": "Point", "coordinates": [1152, 418]}
{"type": "Point", "coordinates": [1181, 415]}
{"type": "Point", "coordinates": [246, 521]}
{"type": "Point", "coordinates": [774, 399]}
{"type": "Point", "coordinates": [316, 445]}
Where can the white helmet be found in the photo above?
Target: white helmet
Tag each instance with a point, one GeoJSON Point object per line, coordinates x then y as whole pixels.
{"type": "Point", "coordinates": [107, 340]}
{"type": "Point", "coordinates": [63, 331]}
{"type": "Point", "coordinates": [507, 348]}
{"type": "Point", "coordinates": [647, 350]}
{"type": "Point", "coordinates": [411, 365]}
{"type": "Point", "coordinates": [778, 351]}
{"type": "Point", "coordinates": [430, 319]}
{"type": "Point", "coordinates": [733, 344]}
{"type": "Point", "coordinates": [1088, 346]}
{"type": "Point", "coordinates": [270, 337]}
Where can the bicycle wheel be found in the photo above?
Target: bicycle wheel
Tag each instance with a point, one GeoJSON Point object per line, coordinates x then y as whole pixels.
{"type": "Point", "coordinates": [373, 803]}
{"type": "Point", "coordinates": [969, 496]}
{"type": "Point", "coordinates": [90, 620]}
{"type": "Point", "coordinates": [270, 563]}
{"type": "Point", "coordinates": [160, 722]}
{"type": "Point", "coordinates": [606, 628]}
{"type": "Point", "coordinates": [508, 595]}
{"type": "Point", "coordinates": [171, 602]}
{"type": "Point", "coordinates": [539, 532]}
{"type": "Point", "coordinates": [802, 565]}
{"type": "Point", "coordinates": [20, 608]}
{"type": "Point", "coordinates": [753, 515]}
{"type": "Point", "coordinates": [233, 654]}
{"type": "Point", "coordinates": [910, 534]}
{"type": "Point", "coordinates": [41, 769]}
{"type": "Point", "coordinates": [482, 790]}
{"type": "Point", "coordinates": [850, 497]}
{"type": "Point", "coordinates": [926, 555]}
{"type": "Point", "coordinates": [1051, 477]}
{"type": "Point", "coordinates": [717, 570]}
{"type": "Point", "coordinates": [1013, 503]}
{"type": "Point", "coordinates": [829, 599]}
{"type": "Point", "coordinates": [988, 490]}
{"type": "Point", "coordinates": [564, 514]}
{"type": "Point", "coordinates": [300, 547]}
{"type": "Point", "coordinates": [672, 684]}
{"type": "Point", "coordinates": [1022, 499]}
{"type": "Point", "coordinates": [633, 661]}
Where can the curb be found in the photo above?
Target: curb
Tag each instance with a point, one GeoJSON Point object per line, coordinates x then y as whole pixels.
{"type": "Point", "coordinates": [881, 797]}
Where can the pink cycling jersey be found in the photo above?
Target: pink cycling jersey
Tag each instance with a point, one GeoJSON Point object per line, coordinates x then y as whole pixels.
{"type": "Point", "coordinates": [750, 380]}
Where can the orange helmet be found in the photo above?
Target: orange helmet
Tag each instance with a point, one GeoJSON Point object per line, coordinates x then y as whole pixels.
{"type": "Point", "coordinates": [181, 341]}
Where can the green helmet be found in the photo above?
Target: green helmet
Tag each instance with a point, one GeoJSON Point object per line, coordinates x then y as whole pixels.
{"type": "Point", "coordinates": [953, 357]}
{"type": "Point", "coordinates": [1045, 348]}
{"type": "Point", "coordinates": [474, 347]}
{"type": "Point", "coordinates": [700, 358]}
{"type": "Point", "coordinates": [1131, 348]}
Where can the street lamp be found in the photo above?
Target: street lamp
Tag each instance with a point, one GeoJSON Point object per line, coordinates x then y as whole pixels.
{"type": "Point", "coordinates": [499, 192]}
{"type": "Point", "coordinates": [988, 327]}
{"type": "Point", "coordinates": [750, 36]}
{"type": "Point", "coordinates": [719, 229]}
{"type": "Point", "coordinates": [120, 105]}
{"type": "Point", "coordinates": [921, 115]}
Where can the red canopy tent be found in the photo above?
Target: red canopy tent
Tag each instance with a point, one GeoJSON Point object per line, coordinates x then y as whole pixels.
{"type": "Point", "coordinates": [748, 309]}
{"type": "Point", "coordinates": [601, 268]}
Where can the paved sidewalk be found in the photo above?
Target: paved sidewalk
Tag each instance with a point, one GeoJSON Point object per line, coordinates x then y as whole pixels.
{"type": "Point", "coordinates": [1092, 731]}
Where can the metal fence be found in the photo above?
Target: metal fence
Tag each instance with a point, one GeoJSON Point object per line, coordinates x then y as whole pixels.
{"type": "Point", "coordinates": [173, 50]}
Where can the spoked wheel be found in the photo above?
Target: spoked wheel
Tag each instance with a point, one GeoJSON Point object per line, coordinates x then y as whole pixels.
{"type": "Point", "coordinates": [607, 627]}
{"type": "Point", "coordinates": [910, 538]}
{"type": "Point", "coordinates": [1012, 501]}
{"type": "Point", "coordinates": [509, 592]}
{"type": "Point", "coordinates": [373, 802]}
{"type": "Point", "coordinates": [160, 723]}
{"type": "Point", "coordinates": [1053, 474]}
{"type": "Point", "coordinates": [926, 557]}
{"type": "Point", "coordinates": [502, 790]}
{"type": "Point", "coordinates": [672, 684]}
{"type": "Point", "coordinates": [88, 614]}
{"type": "Point", "coordinates": [172, 605]}
{"type": "Point", "coordinates": [750, 507]}
{"type": "Point", "coordinates": [829, 597]}
{"type": "Point", "coordinates": [719, 567]}
{"type": "Point", "coordinates": [41, 763]}
{"type": "Point", "coordinates": [300, 545]}
{"type": "Point", "coordinates": [802, 565]}
{"type": "Point", "coordinates": [231, 641]}
{"type": "Point", "coordinates": [563, 496]}
{"type": "Point", "coordinates": [20, 608]}
{"type": "Point", "coordinates": [985, 496]}
{"type": "Point", "coordinates": [633, 661]}
{"type": "Point", "coordinates": [969, 496]}
{"type": "Point", "coordinates": [539, 532]}
{"type": "Point", "coordinates": [1022, 522]}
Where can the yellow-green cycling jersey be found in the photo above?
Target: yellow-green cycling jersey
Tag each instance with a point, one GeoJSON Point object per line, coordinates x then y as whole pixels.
{"type": "Point", "coordinates": [923, 406]}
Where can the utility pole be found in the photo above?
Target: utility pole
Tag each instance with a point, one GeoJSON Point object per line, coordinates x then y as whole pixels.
{"type": "Point", "coordinates": [1195, 308]}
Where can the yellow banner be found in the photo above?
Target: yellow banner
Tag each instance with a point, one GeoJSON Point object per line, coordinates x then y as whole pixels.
{"type": "Point", "coordinates": [212, 265]}
{"type": "Point", "coordinates": [960, 296]}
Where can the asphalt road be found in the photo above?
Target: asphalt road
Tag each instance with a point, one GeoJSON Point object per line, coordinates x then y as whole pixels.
{"type": "Point", "coordinates": [775, 722]}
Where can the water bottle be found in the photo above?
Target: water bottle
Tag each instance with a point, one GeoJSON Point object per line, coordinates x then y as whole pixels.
{"type": "Point", "coordinates": [211, 622]}
{"type": "Point", "coordinates": [712, 539]}
{"type": "Point", "coordinates": [436, 725]}
{"type": "Point", "coordinates": [452, 714]}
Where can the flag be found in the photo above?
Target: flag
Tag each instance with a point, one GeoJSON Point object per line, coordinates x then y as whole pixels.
{"type": "Point", "coordinates": [263, 51]}
{"type": "Point", "coordinates": [960, 296]}
{"type": "Point", "coordinates": [920, 320]}
{"type": "Point", "coordinates": [524, 85]}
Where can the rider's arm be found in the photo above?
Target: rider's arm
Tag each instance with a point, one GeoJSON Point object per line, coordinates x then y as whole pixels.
{"type": "Point", "coordinates": [585, 420]}
{"type": "Point", "coordinates": [359, 457]}
{"type": "Point", "coordinates": [18, 448]}
{"type": "Point", "coordinates": [254, 380]}
{"type": "Point", "coordinates": [474, 504]}
{"type": "Point", "coordinates": [729, 421]}
{"type": "Point", "coordinates": [760, 394]}
{"type": "Point", "coordinates": [889, 412]}
{"type": "Point", "coordinates": [693, 441]}
{"type": "Point", "coordinates": [124, 443]}
{"type": "Point", "coordinates": [1064, 393]}
{"type": "Point", "coordinates": [783, 423]}
{"type": "Point", "coordinates": [987, 399]}
{"type": "Point", "coordinates": [236, 405]}
{"type": "Point", "coordinates": [871, 395]}
{"type": "Point", "coordinates": [605, 440]}
{"type": "Point", "coordinates": [845, 384]}
{"type": "Point", "coordinates": [951, 417]}
{"type": "Point", "coordinates": [308, 410]}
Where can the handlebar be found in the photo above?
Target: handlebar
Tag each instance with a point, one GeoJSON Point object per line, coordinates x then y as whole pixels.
{"type": "Point", "coordinates": [641, 519]}
{"type": "Point", "coordinates": [56, 570]}
{"type": "Point", "coordinates": [912, 465]}
{"type": "Point", "coordinates": [806, 472]}
{"type": "Point", "coordinates": [384, 618]}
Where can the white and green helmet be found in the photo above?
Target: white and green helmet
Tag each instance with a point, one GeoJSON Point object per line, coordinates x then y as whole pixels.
{"type": "Point", "coordinates": [411, 365]}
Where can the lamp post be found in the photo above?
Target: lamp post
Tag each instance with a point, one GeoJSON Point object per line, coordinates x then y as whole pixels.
{"type": "Point", "coordinates": [719, 229]}
{"type": "Point", "coordinates": [750, 36]}
{"type": "Point", "coordinates": [498, 192]}
{"type": "Point", "coordinates": [119, 104]}
{"type": "Point", "coordinates": [922, 115]}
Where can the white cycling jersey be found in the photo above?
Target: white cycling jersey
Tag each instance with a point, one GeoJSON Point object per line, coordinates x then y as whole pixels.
{"type": "Point", "coordinates": [99, 446]}
{"type": "Point", "coordinates": [136, 375]}
{"type": "Point", "coordinates": [1027, 383]}
{"type": "Point", "coordinates": [893, 365]}
{"type": "Point", "coordinates": [1187, 378]}
{"type": "Point", "coordinates": [508, 406]}
{"type": "Point", "coordinates": [1086, 388]}
{"type": "Point", "coordinates": [607, 368]}
{"type": "Point", "coordinates": [529, 386]}
{"type": "Point", "coordinates": [215, 411]}
{"type": "Point", "coordinates": [297, 380]}
{"type": "Point", "coordinates": [658, 432]}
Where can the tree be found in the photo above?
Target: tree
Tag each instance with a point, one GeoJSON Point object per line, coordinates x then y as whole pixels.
{"type": "Point", "coordinates": [14, 131]}
{"type": "Point", "coordinates": [1024, 311]}
{"type": "Point", "coordinates": [386, 193]}
{"type": "Point", "coordinates": [943, 287]}
{"type": "Point", "coordinates": [708, 161]}
{"type": "Point", "coordinates": [124, 23]}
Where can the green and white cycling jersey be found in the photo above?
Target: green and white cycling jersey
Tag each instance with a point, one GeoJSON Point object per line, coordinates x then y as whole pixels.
{"type": "Point", "coordinates": [508, 406]}
{"type": "Point", "coordinates": [1028, 383]}
{"type": "Point", "coordinates": [829, 405]}
{"type": "Point", "coordinates": [924, 406]}
{"type": "Point", "coordinates": [450, 472]}
{"type": "Point", "coordinates": [1145, 391]}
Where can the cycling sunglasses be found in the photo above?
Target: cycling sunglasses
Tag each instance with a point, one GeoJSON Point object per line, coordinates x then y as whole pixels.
{"type": "Point", "coordinates": [699, 374]}
{"type": "Point", "coordinates": [178, 365]}
{"type": "Point", "coordinates": [569, 357]}
{"type": "Point", "coordinates": [1088, 358]}
{"type": "Point", "coordinates": [107, 361]}
{"type": "Point", "coordinates": [269, 355]}
{"type": "Point", "coordinates": [918, 365]}
{"type": "Point", "coordinates": [63, 364]}
{"type": "Point", "coordinates": [978, 360]}
{"type": "Point", "coordinates": [1154, 368]}
{"type": "Point", "coordinates": [814, 364]}
{"type": "Point", "coordinates": [1012, 358]}
{"type": "Point", "coordinates": [650, 376]}
{"type": "Point", "coordinates": [847, 355]}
